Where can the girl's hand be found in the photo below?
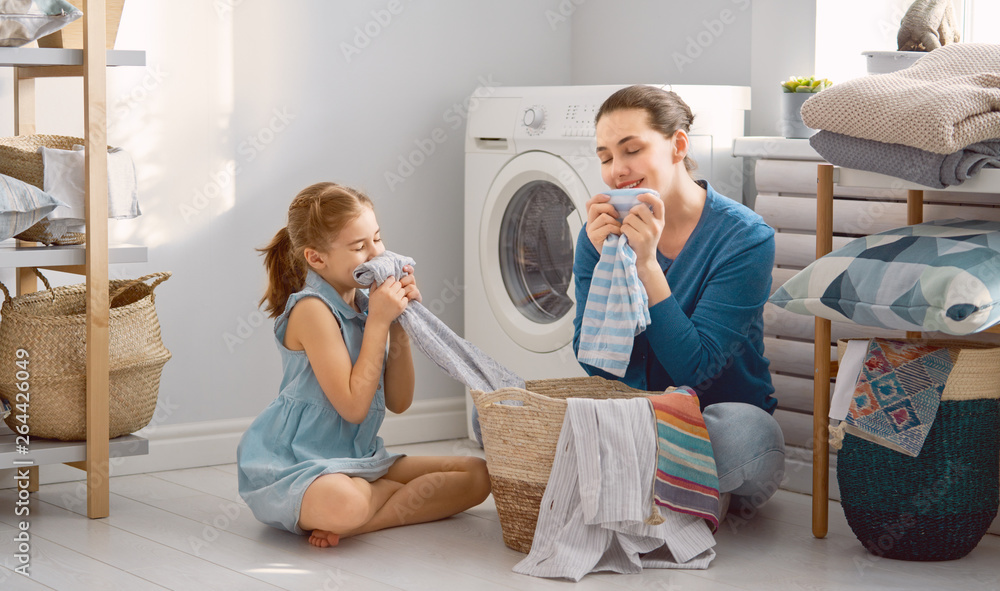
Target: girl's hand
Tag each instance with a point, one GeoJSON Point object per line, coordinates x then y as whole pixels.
{"type": "Point", "coordinates": [387, 301]}
{"type": "Point", "coordinates": [643, 227]}
{"type": "Point", "coordinates": [602, 220]}
{"type": "Point", "coordinates": [409, 283]}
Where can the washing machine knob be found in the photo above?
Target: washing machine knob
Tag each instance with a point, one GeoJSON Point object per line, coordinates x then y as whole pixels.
{"type": "Point", "coordinates": [534, 117]}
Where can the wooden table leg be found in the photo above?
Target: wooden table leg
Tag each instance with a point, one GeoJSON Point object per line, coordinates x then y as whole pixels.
{"type": "Point", "coordinates": [821, 358]}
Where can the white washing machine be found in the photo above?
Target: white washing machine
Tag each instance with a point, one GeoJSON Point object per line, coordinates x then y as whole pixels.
{"type": "Point", "coordinates": [530, 166]}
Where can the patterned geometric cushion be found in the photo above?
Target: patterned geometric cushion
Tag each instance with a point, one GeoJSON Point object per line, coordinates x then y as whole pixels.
{"type": "Point", "coordinates": [936, 276]}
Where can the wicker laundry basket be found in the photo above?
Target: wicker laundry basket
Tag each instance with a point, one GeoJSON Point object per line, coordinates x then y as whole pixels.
{"type": "Point", "coordinates": [520, 443]}
{"type": "Point", "coordinates": [20, 159]}
{"type": "Point", "coordinates": [50, 327]}
{"type": "Point", "coordinates": [939, 504]}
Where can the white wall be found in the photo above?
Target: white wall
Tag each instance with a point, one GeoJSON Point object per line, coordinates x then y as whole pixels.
{"type": "Point", "coordinates": [285, 94]}
{"type": "Point", "coordinates": [656, 42]}
{"type": "Point", "coordinates": [783, 45]}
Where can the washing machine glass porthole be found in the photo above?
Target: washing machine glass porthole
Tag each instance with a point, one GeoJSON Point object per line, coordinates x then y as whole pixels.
{"type": "Point", "coordinates": [536, 251]}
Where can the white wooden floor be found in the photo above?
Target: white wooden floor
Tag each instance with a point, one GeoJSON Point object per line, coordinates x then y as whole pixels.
{"type": "Point", "coordinates": [188, 529]}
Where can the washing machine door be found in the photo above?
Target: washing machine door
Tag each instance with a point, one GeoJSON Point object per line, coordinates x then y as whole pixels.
{"type": "Point", "coordinates": [533, 213]}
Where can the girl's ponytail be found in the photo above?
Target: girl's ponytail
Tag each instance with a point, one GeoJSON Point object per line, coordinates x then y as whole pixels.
{"type": "Point", "coordinates": [285, 273]}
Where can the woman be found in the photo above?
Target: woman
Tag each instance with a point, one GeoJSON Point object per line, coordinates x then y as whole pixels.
{"type": "Point", "coordinates": [705, 262]}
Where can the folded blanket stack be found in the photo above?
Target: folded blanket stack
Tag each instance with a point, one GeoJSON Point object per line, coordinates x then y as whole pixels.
{"type": "Point", "coordinates": [935, 123]}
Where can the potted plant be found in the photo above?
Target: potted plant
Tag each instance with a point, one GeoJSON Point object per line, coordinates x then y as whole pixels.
{"type": "Point", "coordinates": [794, 92]}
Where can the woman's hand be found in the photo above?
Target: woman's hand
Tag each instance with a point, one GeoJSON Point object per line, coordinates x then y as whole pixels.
{"type": "Point", "coordinates": [387, 301]}
{"type": "Point", "coordinates": [602, 220]}
{"type": "Point", "coordinates": [643, 226]}
{"type": "Point", "coordinates": [409, 283]}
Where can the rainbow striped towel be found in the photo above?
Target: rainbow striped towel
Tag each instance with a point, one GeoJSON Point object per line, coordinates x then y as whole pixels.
{"type": "Point", "coordinates": [686, 478]}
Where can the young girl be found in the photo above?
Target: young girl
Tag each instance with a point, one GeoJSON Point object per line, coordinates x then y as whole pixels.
{"type": "Point", "coordinates": [313, 461]}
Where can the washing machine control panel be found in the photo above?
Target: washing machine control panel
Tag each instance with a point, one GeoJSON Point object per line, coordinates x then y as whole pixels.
{"type": "Point", "coordinates": [555, 120]}
{"type": "Point", "coordinates": [579, 120]}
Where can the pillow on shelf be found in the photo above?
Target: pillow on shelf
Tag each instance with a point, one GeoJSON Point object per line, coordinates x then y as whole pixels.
{"type": "Point", "coordinates": [936, 276]}
{"type": "Point", "coordinates": [23, 21]}
{"type": "Point", "coordinates": [21, 206]}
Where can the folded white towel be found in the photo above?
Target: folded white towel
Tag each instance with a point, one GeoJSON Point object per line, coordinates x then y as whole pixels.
{"type": "Point", "coordinates": [64, 174]}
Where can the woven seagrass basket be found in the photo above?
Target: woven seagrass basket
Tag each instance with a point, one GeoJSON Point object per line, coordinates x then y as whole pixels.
{"type": "Point", "coordinates": [19, 158]}
{"type": "Point", "coordinates": [938, 505]}
{"type": "Point", "coordinates": [520, 430]}
{"type": "Point", "coordinates": [51, 326]}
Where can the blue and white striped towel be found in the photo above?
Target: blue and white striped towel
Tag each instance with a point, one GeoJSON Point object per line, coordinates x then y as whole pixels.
{"type": "Point", "coordinates": [617, 306]}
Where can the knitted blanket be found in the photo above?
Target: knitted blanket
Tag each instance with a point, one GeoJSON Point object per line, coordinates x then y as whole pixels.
{"type": "Point", "coordinates": [946, 101]}
{"type": "Point", "coordinates": [905, 162]}
{"type": "Point", "coordinates": [456, 356]}
{"type": "Point", "coordinates": [686, 477]}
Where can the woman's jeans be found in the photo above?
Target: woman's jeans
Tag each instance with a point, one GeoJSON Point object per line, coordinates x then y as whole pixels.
{"type": "Point", "coordinates": [749, 454]}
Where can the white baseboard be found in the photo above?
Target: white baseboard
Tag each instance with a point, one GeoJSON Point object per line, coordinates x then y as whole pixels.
{"type": "Point", "coordinates": [210, 443]}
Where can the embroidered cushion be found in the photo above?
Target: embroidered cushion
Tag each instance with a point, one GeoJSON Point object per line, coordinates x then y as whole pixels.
{"type": "Point", "coordinates": [936, 276]}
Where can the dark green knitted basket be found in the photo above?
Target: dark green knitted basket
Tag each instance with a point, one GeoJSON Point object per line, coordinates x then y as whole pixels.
{"type": "Point", "coordinates": [936, 506]}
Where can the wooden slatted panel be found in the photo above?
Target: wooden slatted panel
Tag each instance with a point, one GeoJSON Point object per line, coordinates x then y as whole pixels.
{"type": "Point", "coordinates": [799, 177]}
{"type": "Point", "coordinates": [790, 356]}
{"type": "Point", "coordinates": [795, 393]}
{"type": "Point", "coordinates": [796, 427]}
{"type": "Point", "coordinates": [853, 217]}
{"type": "Point", "coordinates": [799, 250]}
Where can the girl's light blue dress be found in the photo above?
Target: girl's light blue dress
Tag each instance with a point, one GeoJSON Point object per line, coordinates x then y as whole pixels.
{"type": "Point", "coordinates": [300, 436]}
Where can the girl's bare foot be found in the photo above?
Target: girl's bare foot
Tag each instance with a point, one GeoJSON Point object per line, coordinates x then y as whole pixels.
{"type": "Point", "coordinates": [323, 539]}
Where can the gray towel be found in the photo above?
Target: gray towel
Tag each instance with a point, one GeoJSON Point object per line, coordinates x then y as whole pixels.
{"type": "Point", "coordinates": [456, 356]}
{"type": "Point", "coordinates": [912, 164]}
{"type": "Point", "coordinates": [593, 514]}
